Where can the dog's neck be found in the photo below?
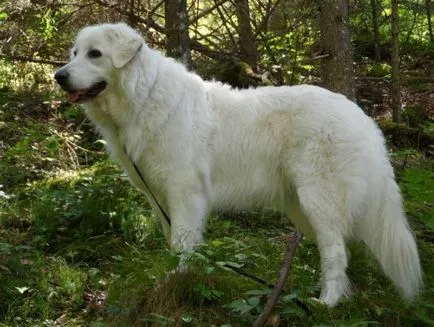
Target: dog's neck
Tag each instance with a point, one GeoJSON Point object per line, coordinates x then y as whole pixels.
{"type": "Point", "coordinates": [135, 99]}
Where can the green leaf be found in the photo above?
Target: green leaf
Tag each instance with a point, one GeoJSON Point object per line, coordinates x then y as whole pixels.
{"type": "Point", "coordinates": [288, 311]}
{"type": "Point", "coordinates": [240, 306]}
{"type": "Point", "coordinates": [216, 243]}
{"type": "Point", "coordinates": [265, 291]}
{"type": "Point", "coordinates": [288, 298]}
{"type": "Point", "coordinates": [6, 247]}
{"type": "Point", "coordinates": [162, 318]}
{"type": "Point", "coordinates": [224, 263]}
{"type": "Point", "coordinates": [209, 269]}
{"type": "Point", "coordinates": [254, 301]}
{"type": "Point", "coordinates": [187, 318]}
{"type": "Point", "coordinates": [22, 290]}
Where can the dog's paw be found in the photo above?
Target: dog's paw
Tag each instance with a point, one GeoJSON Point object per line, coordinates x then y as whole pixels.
{"type": "Point", "coordinates": [334, 291]}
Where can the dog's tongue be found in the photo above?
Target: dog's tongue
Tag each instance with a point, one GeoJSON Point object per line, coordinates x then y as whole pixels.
{"type": "Point", "coordinates": [74, 96]}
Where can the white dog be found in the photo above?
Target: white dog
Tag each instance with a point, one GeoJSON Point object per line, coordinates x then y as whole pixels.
{"type": "Point", "coordinates": [194, 146]}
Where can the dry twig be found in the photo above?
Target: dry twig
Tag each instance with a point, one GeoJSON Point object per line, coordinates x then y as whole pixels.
{"type": "Point", "coordinates": [284, 270]}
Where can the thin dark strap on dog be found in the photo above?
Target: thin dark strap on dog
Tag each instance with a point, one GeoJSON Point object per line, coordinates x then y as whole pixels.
{"type": "Point", "coordinates": [149, 190]}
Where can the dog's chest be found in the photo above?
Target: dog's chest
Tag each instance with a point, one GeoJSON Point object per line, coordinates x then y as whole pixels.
{"type": "Point", "coordinates": [148, 154]}
{"type": "Point", "coordinates": [134, 140]}
{"type": "Point", "coordinates": [129, 142]}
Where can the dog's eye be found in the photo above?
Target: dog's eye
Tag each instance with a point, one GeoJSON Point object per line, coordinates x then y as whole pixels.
{"type": "Point", "coordinates": [94, 54]}
{"type": "Point", "coordinates": [75, 53]}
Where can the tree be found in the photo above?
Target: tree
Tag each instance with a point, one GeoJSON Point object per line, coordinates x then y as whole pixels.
{"type": "Point", "coordinates": [131, 9]}
{"type": "Point", "coordinates": [375, 29]}
{"type": "Point", "coordinates": [428, 16]}
{"type": "Point", "coordinates": [247, 44]}
{"type": "Point", "coordinates": [337, 64]}
{"type": "Point", "coordinates": [177, 37]}
{"type": "Point", "coordinates": [395, 90]}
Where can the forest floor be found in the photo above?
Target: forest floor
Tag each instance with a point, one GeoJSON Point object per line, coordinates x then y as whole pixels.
{"type": "Point", "coordinates": [79, 245]}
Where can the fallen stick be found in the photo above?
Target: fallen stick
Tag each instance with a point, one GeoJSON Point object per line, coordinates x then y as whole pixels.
{"type": "Point", "coordinates": [283, 274]}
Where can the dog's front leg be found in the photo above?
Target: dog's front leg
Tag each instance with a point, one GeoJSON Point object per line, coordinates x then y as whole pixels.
{"type": "Point", "coordinates": [188, 207]}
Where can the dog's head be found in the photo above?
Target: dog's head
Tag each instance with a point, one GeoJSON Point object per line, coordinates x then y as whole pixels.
{"type": "Point", "coordinates": [98, 54]}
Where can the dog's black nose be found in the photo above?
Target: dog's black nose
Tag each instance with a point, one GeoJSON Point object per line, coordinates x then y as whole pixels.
{"type": "Point", "coordinates": [61, 76]}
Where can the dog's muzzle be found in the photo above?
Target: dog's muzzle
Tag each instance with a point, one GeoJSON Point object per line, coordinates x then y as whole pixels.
{"type": "Point", "coordinates": [78, 95]}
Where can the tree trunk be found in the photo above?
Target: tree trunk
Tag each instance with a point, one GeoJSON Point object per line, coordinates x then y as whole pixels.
{"type": "Point", "coordinates": [247, 44]}
{"type": "Point", "coordinates": [177, 38]}
{"type": "Point", "coordinates": [395, 91]}
{"type": "Point", "coordinates": [132, 17]}
{"type": "Point", "coordinates": [337, 66]}
{"type": "Point", "coordinates": [375, 29]}
{"type": "Point", "coordinates": [428, 16]}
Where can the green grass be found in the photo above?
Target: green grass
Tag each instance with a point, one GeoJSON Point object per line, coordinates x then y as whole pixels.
{"type": "Point", "coordinates": [80, 247]}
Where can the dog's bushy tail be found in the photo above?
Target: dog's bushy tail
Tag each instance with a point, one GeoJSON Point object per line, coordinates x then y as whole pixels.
{"type": "Point", "coordinates": [389, 237]}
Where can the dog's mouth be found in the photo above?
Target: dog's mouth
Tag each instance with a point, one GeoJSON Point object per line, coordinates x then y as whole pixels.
{"type": "Point", "coordinates": [82, 95]}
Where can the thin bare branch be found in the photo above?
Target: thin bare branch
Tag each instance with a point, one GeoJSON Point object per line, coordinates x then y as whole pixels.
{"type": "Point", "coordinates": [207, 11]}
{"type": "Point", "coordinates": [217, 55]}
{"type": "Point", "coordinates": [31, 59]}
{"type": "Point", "coordinates": [153, 10]}
{"type": "Point", "coordinates": [265, 19]}
{"type": "Point", "coordinates": [283, 274]}
{"type": "Point", "coordinates": [147, 21]}
{"type": "Point", "coordinates": [225, 21]}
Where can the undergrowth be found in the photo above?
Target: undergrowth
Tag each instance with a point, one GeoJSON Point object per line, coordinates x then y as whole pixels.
{"type": "Point", "coordinates": [80, 247]}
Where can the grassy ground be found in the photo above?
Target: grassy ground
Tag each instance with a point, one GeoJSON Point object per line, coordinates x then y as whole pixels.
{"type": "Point", "coordinates": [79, 246]}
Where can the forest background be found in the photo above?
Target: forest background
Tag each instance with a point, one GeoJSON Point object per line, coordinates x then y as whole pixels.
{"type": "Point", "coordinates": [79, 246]}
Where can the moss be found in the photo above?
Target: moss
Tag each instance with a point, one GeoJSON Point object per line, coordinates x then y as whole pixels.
{"type": "Point", "coordinates": [414, 115]}
{"type": "Point", "coordinates": [400, 135]}
{"type": "Point", "coordinates": [379, 70]}
{"type": "Point", "coordinates": [237, 74]}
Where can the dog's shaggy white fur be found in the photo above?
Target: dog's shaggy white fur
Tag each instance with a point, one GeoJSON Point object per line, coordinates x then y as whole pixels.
{"type": "Point", "coordinates": [203, 146]}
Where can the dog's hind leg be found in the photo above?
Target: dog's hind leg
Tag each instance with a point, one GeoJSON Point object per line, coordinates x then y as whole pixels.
{"type": "Point", "coordinates": [297, 216]}
{"type": "Point", "coordinates": [325, 217]}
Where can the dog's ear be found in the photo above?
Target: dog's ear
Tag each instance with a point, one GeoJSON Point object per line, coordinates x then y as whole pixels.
{"type": "Point", "coordinates": [126, 43]}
